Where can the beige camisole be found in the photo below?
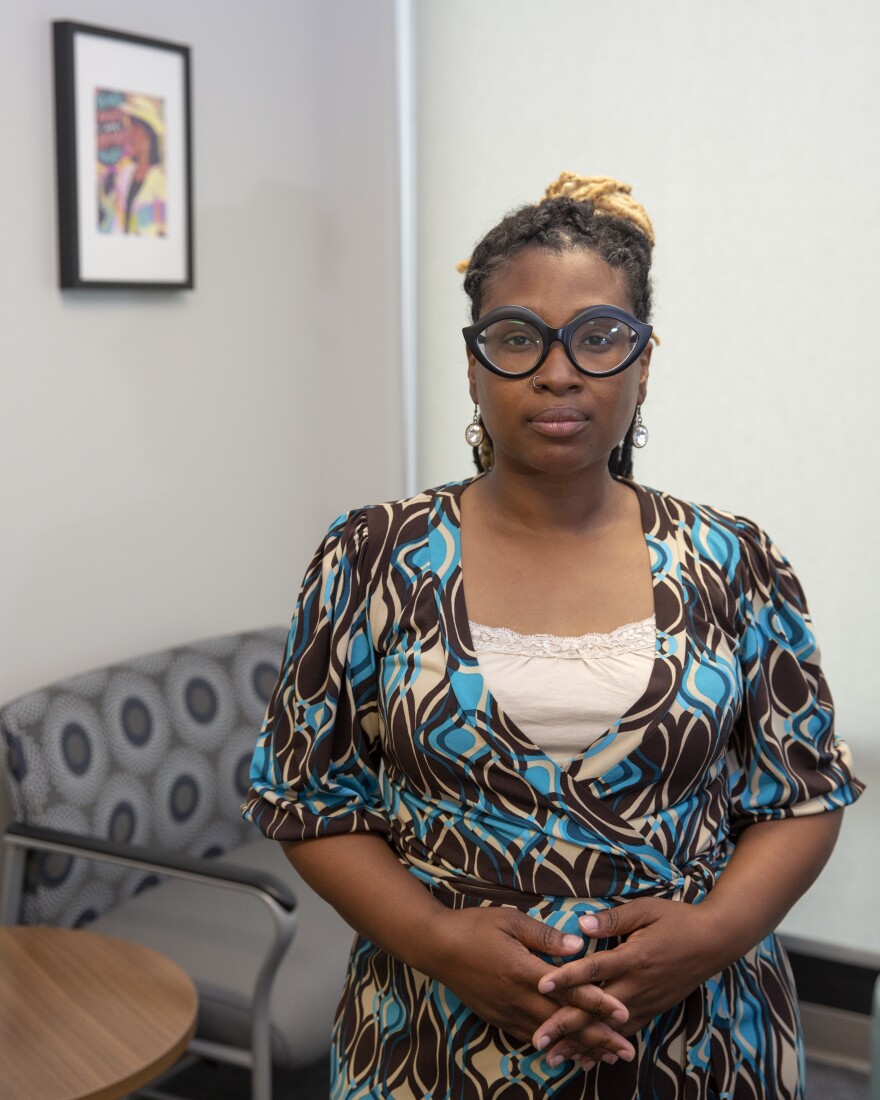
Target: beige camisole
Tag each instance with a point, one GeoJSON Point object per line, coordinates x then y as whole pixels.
{"type": "Point", "coordinates": [565, 692]}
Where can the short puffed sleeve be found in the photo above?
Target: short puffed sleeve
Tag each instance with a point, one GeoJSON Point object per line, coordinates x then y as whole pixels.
{"type": "Point", "coordinates": [784, 757]}
{"type": "Point", "coordinates": [315, 770]}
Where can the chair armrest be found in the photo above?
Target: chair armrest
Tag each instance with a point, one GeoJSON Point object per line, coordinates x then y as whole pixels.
{"type": "Point", "coordinates": [213, 871]}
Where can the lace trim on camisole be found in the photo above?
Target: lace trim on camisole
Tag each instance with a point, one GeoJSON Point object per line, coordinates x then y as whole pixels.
{"type": "Point", "coordinates": [629, 638]}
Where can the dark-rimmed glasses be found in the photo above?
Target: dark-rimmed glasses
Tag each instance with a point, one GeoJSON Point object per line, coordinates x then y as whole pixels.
{"type": "Point", "coordinates": [513, 342]}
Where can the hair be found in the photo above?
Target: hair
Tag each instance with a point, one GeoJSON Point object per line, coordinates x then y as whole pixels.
{"type": "Point", "coordinates": [595, 213]}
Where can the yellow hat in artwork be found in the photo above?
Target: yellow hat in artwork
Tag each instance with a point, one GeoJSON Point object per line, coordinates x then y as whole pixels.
{"type": "Point", "coordinates": [145, 109]}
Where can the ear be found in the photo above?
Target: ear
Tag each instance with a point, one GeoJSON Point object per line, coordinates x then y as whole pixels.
{"type": "Point", "coordinates": [644, 370]}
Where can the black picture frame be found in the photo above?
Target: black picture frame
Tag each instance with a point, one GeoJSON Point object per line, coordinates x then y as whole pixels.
{"type": "Point", "coordinates": [123, 125]}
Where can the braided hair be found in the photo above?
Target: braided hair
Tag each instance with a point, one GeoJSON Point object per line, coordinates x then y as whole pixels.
{"type": "Point", "coordinates": [596, 213]}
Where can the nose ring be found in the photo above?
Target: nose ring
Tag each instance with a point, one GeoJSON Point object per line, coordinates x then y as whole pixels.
{"type": "Point", "coordinates": [537, 384]}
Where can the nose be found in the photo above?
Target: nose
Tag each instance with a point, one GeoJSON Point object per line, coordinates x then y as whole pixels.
{"type": "Point", "coordinates": [557, 372]}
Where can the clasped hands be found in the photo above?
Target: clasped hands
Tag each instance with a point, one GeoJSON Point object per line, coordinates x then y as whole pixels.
{"type": "Point", "coordinates": [582, 1010]}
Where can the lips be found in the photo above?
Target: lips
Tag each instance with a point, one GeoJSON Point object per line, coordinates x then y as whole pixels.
{"type": "Point", "coordinates": [561, 421]}
{"type": "Point", "coordinates": [563, 415]}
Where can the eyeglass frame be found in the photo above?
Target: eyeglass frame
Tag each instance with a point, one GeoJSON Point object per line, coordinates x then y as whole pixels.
{"type": "Point", "coordinates": [551, 335]}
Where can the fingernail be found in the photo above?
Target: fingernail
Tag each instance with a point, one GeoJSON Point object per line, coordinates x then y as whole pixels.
{"type": "Point", "coordinates": [589, 923]}
{"type": "Point", "coordinates": [543, 1042]}
{"type": "Point", "coordinates": [546, 985]}
{"type": "Point", "coordinates": [573, 943]}
{"type": "Point", "coordinates": [609, 1059]}
{"type": "Point", "coordinates": [627, 1055]}
{"type": "Point", "coordinates": [554, 1061]}
{"type": "Point", "coordinates": [586, 1064]}
{"type": "Point", "coordinates": [620, 1014]}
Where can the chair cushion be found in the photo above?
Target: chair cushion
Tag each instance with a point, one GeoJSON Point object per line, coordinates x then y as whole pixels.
{"type": "Point", "coordinates": [153, 751]}
{"type": "Point", "coordinates": [219, 937]}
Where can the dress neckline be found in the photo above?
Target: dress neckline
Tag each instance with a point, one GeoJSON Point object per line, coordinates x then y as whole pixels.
{"type": "Point", "coordinates": [469, 686]}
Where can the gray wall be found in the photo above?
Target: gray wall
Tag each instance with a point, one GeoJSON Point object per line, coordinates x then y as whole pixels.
{"type": "Point", "coordinates": [170, 460]}
{"type": "Point", "coordinates": [749, 131]}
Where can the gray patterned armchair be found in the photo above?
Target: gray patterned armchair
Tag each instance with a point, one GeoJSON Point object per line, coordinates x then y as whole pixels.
{"type": "Point", "coordinates": [125, 785]}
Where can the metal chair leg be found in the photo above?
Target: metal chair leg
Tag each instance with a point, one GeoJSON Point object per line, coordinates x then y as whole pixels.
{"type": "Point", "coordinates": [12, 883]}
{"type": "Point", "coordinates": [261, 1018]}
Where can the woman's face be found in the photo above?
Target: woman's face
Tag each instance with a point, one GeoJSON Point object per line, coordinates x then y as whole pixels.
{"type": "Point", "coordinates": [572, 421]}
{"type": "Point", "coordinates": [138, 139]}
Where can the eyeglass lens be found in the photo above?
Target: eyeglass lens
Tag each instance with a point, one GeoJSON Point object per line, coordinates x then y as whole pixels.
{"type": "Point", "coordinates": [599, 345]}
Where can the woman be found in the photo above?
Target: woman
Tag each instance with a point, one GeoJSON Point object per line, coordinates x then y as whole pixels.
{"type": "Point", "coordinates": [134, 193]}
{"type": "Point", "coordinates": [524, 724]}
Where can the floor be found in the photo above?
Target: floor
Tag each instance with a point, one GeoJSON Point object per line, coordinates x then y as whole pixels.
{"type": "Point", "coordinates": [212, 1082]}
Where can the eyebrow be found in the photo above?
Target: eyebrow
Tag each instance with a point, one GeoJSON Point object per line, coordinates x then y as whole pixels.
{"type": "Point", "coordinates": [577, 312]}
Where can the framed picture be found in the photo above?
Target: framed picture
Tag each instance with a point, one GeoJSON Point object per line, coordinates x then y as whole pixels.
{"type": "Point", "coordinates": [122, 117]}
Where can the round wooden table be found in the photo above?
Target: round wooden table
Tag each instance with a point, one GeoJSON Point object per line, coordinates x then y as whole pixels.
{"type": "Point", "coordinates": [84, 1015]}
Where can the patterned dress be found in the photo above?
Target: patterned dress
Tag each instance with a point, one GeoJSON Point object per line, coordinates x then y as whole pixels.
{"type": "Point", "coordinates": [381, 722]}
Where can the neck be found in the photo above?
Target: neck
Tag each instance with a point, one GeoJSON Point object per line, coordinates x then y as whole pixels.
{"type": "Point", "coordinates": [548, 504]}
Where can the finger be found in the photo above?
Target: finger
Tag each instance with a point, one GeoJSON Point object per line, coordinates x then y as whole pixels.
{"type": "Point", "coordinates": [577, 1047]}
{"type": "Point", "coordinates": [619, 920]}
{"type": "Point", "coordinates": [531, 1013]}
{"type": "Point", "coordinates": [587, 996]}
{"type": "Point", "coordinates": [569, 1024]}
{"type": "Point", "coordinates": [615, 1047]}
{"type": "Point", "coordinates": [542, 938]}
{"type": "Point", "coordinates": [597, 1002]}
{"type": "Point", "coordinates": [599, 966]}
{"type": "Point", "coordinates": [587, 1060]}
{"type": "Point", "coordinates": [576, 1040]}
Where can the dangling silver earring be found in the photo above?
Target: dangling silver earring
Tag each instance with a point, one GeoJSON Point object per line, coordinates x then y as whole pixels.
{"type": "Point", "coordinates": [640, 432]}
{"type": "Point", "coordinates": [473, 433]}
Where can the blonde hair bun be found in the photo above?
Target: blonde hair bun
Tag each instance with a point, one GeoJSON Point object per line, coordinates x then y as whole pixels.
{"type": "Point", "coordinates": [608, 196]}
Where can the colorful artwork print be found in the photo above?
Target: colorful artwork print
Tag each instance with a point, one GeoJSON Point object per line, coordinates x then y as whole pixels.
{"type": "Point", "coordinates": [130, 142]}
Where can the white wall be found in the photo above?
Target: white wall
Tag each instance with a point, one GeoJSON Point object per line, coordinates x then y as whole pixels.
{"type": "Point", "coordinates": [749, 131]}
{"type": "Point", "coordinates": [170, 460]}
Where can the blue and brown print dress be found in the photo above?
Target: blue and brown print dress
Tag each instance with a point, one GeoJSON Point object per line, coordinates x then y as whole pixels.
{"type": "Point", "coordinates": [381, 722]}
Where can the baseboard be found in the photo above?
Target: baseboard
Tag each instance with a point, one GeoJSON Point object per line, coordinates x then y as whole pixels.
{"type": "Point", "coordinates": [836, 1037]}
{"type": "Point", "coordinates": [836, 977]}
{"type": "Point", "coordinates": [835, 988]}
